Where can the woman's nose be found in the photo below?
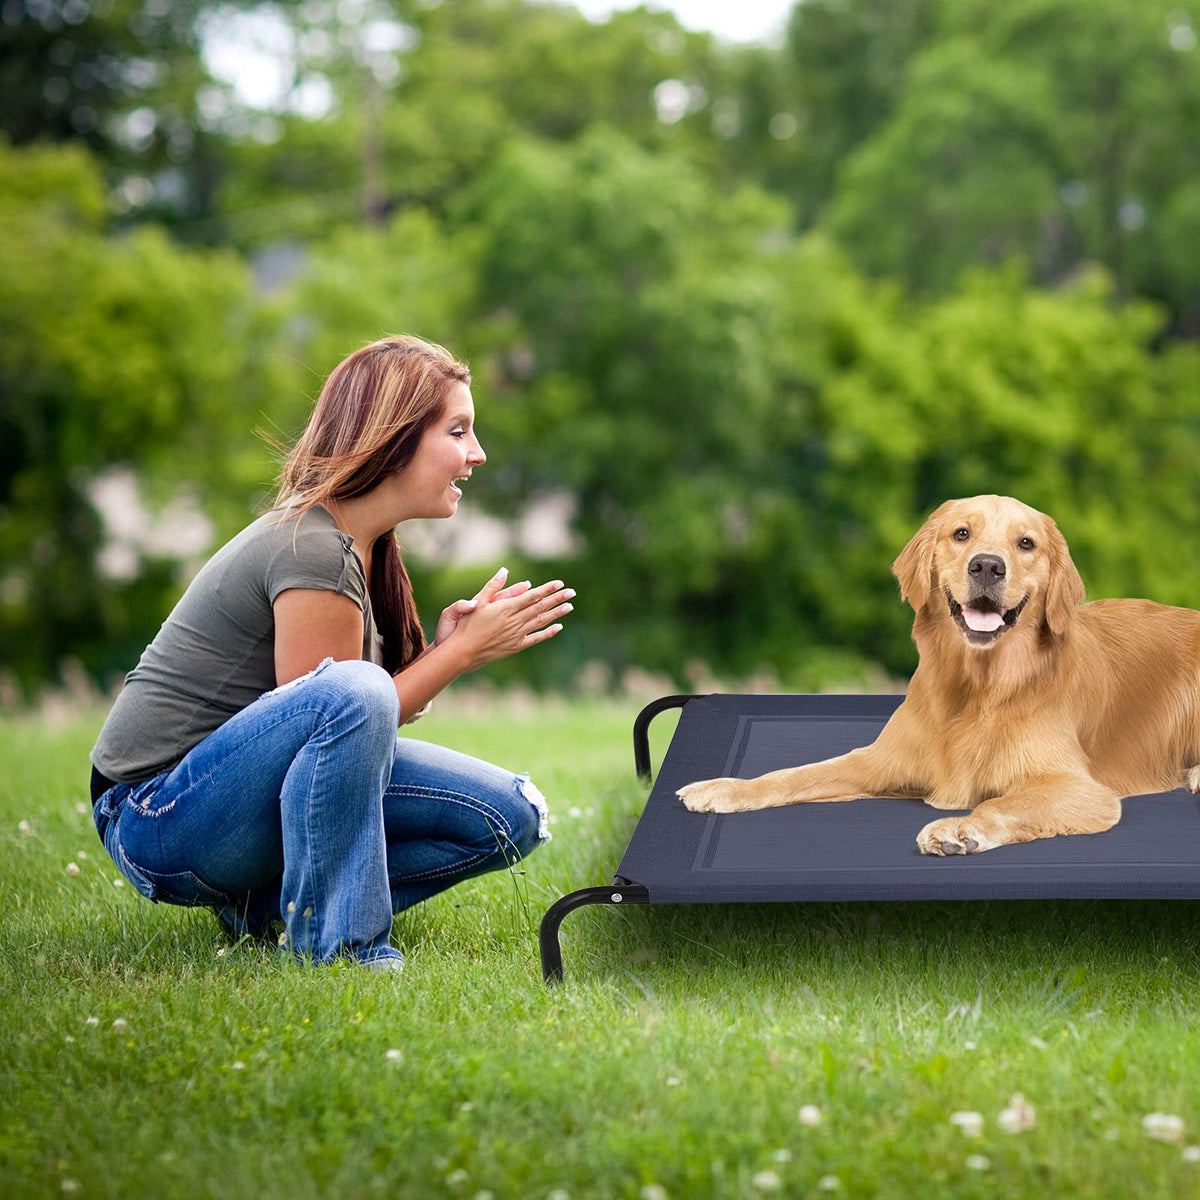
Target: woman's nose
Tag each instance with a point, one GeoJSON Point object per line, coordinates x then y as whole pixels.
{"type": "Point", "coordinates": [477, 456]}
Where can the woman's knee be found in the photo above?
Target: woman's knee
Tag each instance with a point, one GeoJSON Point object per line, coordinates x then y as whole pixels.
{"type": "Point", "coordinates": [506, 821]}
{"type": "Point", "coordinates": [530, 816]}
{"type": "Point", "coordinates": [363, 688]}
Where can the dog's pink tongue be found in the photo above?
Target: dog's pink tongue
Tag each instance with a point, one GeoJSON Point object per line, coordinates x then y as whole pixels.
{"type": "Point", "coordinates": [982, 622]}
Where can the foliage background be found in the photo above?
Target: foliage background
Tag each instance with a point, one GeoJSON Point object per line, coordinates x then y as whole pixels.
{"type": "Point", "coordinates": [751, 310]}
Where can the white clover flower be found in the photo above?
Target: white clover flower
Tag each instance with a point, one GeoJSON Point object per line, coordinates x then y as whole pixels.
{"type": "Point", "coordinates": [766, 1181]}
{"type": "Point", "coordinates": [672, 1081]}
{"type": "Point", "coordinates": [828, 1183]}
{"type": "Point", "coordinates": [68, 1038]}
{"type": "Point", "coordinates": [978, 1162]}
{"type": "Point", "coordinates": [809, 1114]}
{"type": "Point", "coordinates": [92, 1021]}
{"type": "Point", "coordinates": [971, 1123]}
{"type": "Point", "coordinates": [72, 868]}
{"type": "Point", "coordinates": [118, 883]}
{"type": "Point", "coordinates": [1163, 1127]}
{"type": "Point", "coordinates": [82, 854]}
{"type": "Point", "coordinates": [1009, 1120]}
{"type": "Point", "coordinates": [237, 1065]}
{"type": "Point", "coordinates": [394, 1055]}
{"type": "Point", "coordinates": [970, 1045]}
{"type": "Point", "coordinates": [24, 828]}
{"type": "Point", "coordinates": [70, 1187]}
{"type": "Point", "coordinates": [558, 1194]}
{"type": "Point", "coordinates": [120, 1024]}
{"type": "Point", "coordinates": [783, 1155]}
{"type": "Point", "coordinates": [467, 1106]}
{"type": "Point", "coordinates": [654, 1191]}
{"type": "Point", "coordinates": [1018, 1116]}
{"type": "Point", "coordinates": [81, 808]}
{"type": "Point", "coordinates": [457, 1178]}
{"type": "Point", "coordinates": [574, 811]}
{"type": "Point", "coordinates": [1191, 1154]}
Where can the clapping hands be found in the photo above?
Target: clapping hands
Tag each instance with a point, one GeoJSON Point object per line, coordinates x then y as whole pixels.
{"type": "Point", "coordinates": [498, 620]}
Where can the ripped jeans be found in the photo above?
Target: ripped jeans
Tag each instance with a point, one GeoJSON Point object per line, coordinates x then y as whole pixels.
{"type": "Point", "coordinates": [305, 808]}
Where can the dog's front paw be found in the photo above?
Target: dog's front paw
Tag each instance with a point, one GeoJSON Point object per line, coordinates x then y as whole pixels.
{"type": "Point", "coordinates": [716, 796]}
{"type": "Point", "coordinates": [954, 835]}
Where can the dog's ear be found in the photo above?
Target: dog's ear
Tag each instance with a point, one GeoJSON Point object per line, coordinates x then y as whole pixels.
{"type": "Point", "coordinates": [914, 564]}
{"type": "Point", "coordinates": [1066, 591]}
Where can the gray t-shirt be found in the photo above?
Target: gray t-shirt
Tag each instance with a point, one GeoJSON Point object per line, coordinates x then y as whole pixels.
{"type": "Point", "coordinates": [215, 653]}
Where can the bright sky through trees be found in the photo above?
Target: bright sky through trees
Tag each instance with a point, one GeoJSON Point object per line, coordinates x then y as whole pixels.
{"type": "Point", "coordinates": [745, 21]}
{"type": "Point", "coordinates": [252, 49]}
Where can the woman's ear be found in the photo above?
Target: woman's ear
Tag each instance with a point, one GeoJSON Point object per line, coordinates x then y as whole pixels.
{"type": "Point", "coordinates": [914, 564]}
{"type": "Point", "coordinates": [1066, 591]}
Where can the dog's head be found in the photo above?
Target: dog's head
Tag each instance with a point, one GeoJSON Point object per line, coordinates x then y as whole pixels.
{"type": "Point", "coordinates": [989, 563]}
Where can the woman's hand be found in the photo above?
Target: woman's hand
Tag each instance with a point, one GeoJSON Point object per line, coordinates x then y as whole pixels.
{"type": "Point", "coordinates": [500, 621]}
{"type": "Point", "coordinates": [496, 622]}
{"type": "Point", "coordinates": [494, 589]}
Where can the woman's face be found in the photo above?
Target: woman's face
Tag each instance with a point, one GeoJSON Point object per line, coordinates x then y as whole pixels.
{"type": "Point", "coordinates": [447, 453]}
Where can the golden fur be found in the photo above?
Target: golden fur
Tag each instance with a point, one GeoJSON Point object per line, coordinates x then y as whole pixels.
{"type": "Point", "coordinates": [1039, 727]}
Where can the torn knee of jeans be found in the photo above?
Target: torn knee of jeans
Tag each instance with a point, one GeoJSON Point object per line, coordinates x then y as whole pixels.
{"type": "Point", "coordinates": [533, 794]}
{"type": "Point", "coordinates": [291, 683]}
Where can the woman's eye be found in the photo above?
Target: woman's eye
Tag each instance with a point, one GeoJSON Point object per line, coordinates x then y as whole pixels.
{"type": "Point", "coordinates": [1027, 543]}
{"type": "Point", "coordinates": [961, 534]}
{"type": "Point", "coordinates": [458, 433]}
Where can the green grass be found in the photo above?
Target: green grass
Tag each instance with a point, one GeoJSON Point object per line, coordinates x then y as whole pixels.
{"type": "Point", "coordinates": [678, 1054]}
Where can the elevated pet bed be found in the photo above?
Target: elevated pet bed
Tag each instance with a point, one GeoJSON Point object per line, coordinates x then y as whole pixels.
{"type": "Point", "coordinates": [860, 850]}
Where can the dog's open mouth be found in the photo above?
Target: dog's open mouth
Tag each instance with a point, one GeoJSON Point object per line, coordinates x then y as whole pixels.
{"type": "Point", "coordinates": [983, 620]}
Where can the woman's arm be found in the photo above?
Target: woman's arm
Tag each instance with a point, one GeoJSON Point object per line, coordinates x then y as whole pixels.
{"type": "Point", "coordinates": [311, 626]}
{"type": "Point", "coordinates": [427, 675]}
{"type": "Point", "coordinates": [496, 622]}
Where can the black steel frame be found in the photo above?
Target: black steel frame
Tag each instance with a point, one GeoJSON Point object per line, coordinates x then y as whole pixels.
{"type": "Point", "coordinates": [622, 891]}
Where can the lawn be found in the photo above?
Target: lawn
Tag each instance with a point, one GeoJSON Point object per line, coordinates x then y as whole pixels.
{"type": "Point", "coordinates": [743, 1051]}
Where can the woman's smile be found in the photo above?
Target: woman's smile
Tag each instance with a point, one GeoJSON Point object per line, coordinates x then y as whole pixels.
{"type": "Point", "coordinates": [431, 485]}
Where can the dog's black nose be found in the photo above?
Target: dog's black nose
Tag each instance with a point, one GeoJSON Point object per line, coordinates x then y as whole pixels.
{"type": "Point", "coordinates": [987, 568]}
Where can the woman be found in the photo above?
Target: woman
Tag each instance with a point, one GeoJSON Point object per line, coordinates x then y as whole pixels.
{"type": "Point", "coordinates": [251, 761]}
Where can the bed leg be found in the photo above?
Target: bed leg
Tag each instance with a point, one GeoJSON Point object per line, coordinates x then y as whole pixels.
{"type": "Point", "coordinates": [641, 728]}
{"type": "Point", "coordinates": [618, 893]}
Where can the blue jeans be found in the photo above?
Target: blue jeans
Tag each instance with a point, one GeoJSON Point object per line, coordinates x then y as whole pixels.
{"type": "Point", "coordinates": [305, 808]}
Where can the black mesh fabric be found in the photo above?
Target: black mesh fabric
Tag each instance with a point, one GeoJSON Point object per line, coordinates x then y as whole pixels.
{"type": "Point", "coordinates": [866, 849]}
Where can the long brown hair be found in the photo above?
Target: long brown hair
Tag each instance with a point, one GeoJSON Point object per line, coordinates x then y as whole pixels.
{"type": "Point", "coordinates": [367, 423]}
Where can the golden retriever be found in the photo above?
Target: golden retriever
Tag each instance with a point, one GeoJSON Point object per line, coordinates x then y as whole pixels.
{"type": "Point", "coordinates": [1030, 708]}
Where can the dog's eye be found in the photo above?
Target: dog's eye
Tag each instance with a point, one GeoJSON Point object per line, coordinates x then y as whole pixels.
{"type": "Point", "coordinates": [961, 534]}
{"type": "Point", "coordinates": [1027, 543]}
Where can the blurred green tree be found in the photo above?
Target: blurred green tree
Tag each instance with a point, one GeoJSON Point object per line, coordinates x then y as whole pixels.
{"type": "Point", "coordinates": [655, 368]}
{"type": "Point", "coordinates": [846, 64]}
{"type": "Point", "coordinates": [969, 158]}
{"type": "Point", "coordinates": [1056, 130]}
{"type": "Point", "coordinates": [114, 353]}
{"type": "Point", "coordinates": [125, 78]}
{"type": "Point", "coordinates": [421, 98]}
